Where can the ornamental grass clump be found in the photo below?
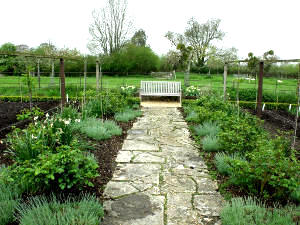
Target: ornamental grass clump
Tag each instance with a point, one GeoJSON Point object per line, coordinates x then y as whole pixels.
{"type": "Point", "coordinates": [98, 130]}
{"type": "Point", "coordinates": [210, 143]}
{"type": "Point", "coordinates": [127, 115]}
{"type": "Point", "coordinates": [249, 211]}
{"type": "Point", "coordinates": [40, 211]}
{"type": "Point", "coordinates": [207, 128]}
{"type": "Point", "coordinates": [9, 199]}
{"type": "Point", "coordinates": [223, 162]}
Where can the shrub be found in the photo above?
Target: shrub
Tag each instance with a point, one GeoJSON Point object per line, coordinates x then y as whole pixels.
{"type": "Point", "coordinates": [210, 143]}
{"type": "Point", "coordinates": [99, 130]}
{"type": "Point", "coordinates": [207, 128]}
{"type": "Point", "coordinates": [268, 173]}
{"type": "Point", "coordinates": [70, 113]}
{"type": "Point", "coordinates": [67, 168]}
{"type": "Point", "coordinates": [40, 211]}
{"type": "Point", "coordinates": [222, 162]}
{"type": "Point", "coordinates": [9, 199]}
{"type": "Point", "coordinates": [248, 211]}
{"type": "Point", "coordinates": [127, 115]}
{"type": "Point", "coordinates": [128, 90]}
{"type": "Point", "coordinates": [240, 134]}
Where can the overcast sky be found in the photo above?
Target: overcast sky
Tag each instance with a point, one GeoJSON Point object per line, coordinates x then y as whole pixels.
{"type": "Point", "coordinates": [250, 25]}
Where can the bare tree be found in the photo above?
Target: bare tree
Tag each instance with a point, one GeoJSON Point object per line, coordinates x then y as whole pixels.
{"type": "Point", "coordinates": [110, 28]}
{"type": "Point", "coordinates": [199, 37]}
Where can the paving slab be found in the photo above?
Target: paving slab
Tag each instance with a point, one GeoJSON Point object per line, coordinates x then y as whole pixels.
{"type": "Point", "coordinates": [160, 179]}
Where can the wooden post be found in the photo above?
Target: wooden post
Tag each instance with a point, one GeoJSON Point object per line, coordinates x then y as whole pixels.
{"type": "Point", "coordinates": [101, 78]}
{"type": "Point", "coordinates": [62, 82]}
{"type": "Point", "coordinates": [297, 114]}
{"type": "Point", "coordinates": [260, 89]}
{"type": "Point", "coordinates": [84, 85]}
{"type": "Point", "coordinates": [52, 73]}
{"type": "Point", "coordinates": [225, 81]}
{"type": "Point", "coordinates": [38, 73]}
{"type": "Point", "coordinates": [97, 75]}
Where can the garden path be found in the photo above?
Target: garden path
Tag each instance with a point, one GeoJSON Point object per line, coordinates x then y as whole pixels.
{"type": "Point", "coordinates": [160, 178]}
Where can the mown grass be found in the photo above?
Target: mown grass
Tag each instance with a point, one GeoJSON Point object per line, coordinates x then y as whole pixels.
{"type": "Point", "coordinates": [12, 85]}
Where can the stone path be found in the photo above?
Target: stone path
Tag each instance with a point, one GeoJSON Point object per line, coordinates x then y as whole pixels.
{"type": "Point", "coordinates": [160, 178]}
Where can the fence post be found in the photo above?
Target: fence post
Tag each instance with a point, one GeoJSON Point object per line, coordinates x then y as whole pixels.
{"type": "Point", "coordinates": [52, 73]}
{"type": "Point", "coordinates": [97, 75]}
{"type": "Point", "coordinates": [101, 78]}
{"type": "Point", "coordinates": [84, 81]}
{"type": "Point", "coordinates": [225, 82]}
{"type": "Point", "coordinates": [260, 89]}
{"type": "Point", "coordinates": [297, 114]}
{"type": "Point", "coordinates": [38, 73]}
{"type": "Point", "coordinates": [62, 82]}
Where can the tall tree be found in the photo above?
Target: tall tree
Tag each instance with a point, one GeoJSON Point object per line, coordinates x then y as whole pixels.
{"type": "Point", "coordinates": [110, 28]}
{"type": "Point", "coordinates": [200, 37]}
{"type": "Point", "coordinates": [139, 38]}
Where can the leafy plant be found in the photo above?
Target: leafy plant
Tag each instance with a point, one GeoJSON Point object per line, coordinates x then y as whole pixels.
{"type": "Point", "coordinates": [249, 211]}
{"type": "Point", "coordinates": [9, 199]}
{"type": "Point", "coordinates": [26, 114]}
{"type": "Point", "coordinates": [210, 143]}
{"type": "Point", "coordinates": [127, 115]}
{"type": "Point", "coordinates": [67, 168]}
{"type": "Point", "coordinates": [98, 130]}
{"type": "Point", "coordinates": [40, 211]}
{"type": "Point", "coordinates": [207, 128]}
{"type": "Point", "coordinates": [222, 162]}
{"type": "Point", "coordinates": [70, 113]}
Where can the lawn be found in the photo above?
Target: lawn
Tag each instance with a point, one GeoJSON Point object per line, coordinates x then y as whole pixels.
{"type": "Point", "coordinates": [13, 85]}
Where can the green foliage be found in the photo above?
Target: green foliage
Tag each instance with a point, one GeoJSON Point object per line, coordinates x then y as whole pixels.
{"type": "Point", "coordinates": [127, 115]}
{"type": "Point", "coordinates": [268, 172]}
{"type": "Point", "coordinates": [70, 113]}
{"type": "Point", "coordinates": [207, 128]}
{"type": "Point", "coordinates": [210, 143]}
{"type": "Point", "coordinates": [106, 104]}
{"type": "Point", "coordinates": [240, 134]}
{"type": "Point", "coordinates": [40, 211]}
{"type": "Point", "coordinates": [128, 90]}
{"type": "Point", "coordinates": [67, 168]}
{"type": "Point", "coordinates": [30, 114]}
{"type": "Point", "coordinates": [223, 162]}
{"type": "Point", "coordinates": [98, 130]}
{"type": "Point", "coordinates": [9, 199]}
{"type": "Point", "coordinates": [250, 212]}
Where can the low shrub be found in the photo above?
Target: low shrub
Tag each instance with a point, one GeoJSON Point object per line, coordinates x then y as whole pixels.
{"type": "Point", "coordinates": [70, 113]}
{"type": "Point", "coordinates": [207, 128]}
{"type": "Point", "coordinates": [210, 143]}
{"type": "Point", "coordinates": [67, 168]}
{"type": "Point", "coordinates": [9, 199]}
{"type": "Point", "coordinates": [223, 162]}
{"type": "Point", "coordinates": [40, 211]}
{"type": "Point", "coordinates": [98, 130]}
{"type": "Point", "coordinates": [127, 115]}
{"type": "Point", "coordinates": [249, 211]}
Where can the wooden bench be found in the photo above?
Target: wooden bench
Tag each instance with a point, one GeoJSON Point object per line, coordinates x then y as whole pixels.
{"type": "Point", "coordinates": [160, 88]}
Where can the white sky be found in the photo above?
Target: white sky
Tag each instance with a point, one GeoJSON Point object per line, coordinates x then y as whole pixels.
{"type": "Point", "coordinates": [252, 25]}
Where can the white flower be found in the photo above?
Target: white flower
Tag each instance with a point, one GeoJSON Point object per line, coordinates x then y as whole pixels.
{"type": "Point", "coordinates": [47, 115]}
{"type": "Point", "coordinates": [67, 122]}
{"type": "Point", "coordinates": [253, 79]}
{"type": "Point", "coordinates": [51, 125]}
{"type": "Point", "coordinates": [33, 137]}
{"type": "Point", "coordinates": [279, 81]}
{"type": "Point", "coordinates": [77, 120]}
{"type": "Point", "coordinates": [1, 142]}
{"type": "Point", "coordinates": [35, 118]}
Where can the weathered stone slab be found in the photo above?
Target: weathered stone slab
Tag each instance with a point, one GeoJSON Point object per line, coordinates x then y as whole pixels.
{"type": "Point", "coordinates": [136, 209]}
{"type": "Point", "coordinates": [206, 185]}
{"type": "Point", "coordinates": [124, 157]}
{"type": "Point", "coordinates": [118, 189]}
{"type": "Point", "coordinates": [148, 158]}
{"type": "Point", "coordinates": [131, 172]}
{"type": "Point", "coordinates": [133, 145]}
{"type": "Point", "coordinates": [208, 205]}
{"type": "Point", "coordinates": [177, 184]}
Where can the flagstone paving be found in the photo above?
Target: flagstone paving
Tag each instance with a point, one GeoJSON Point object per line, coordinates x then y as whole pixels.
{"type": "Point", "coordinates": [160, 178]}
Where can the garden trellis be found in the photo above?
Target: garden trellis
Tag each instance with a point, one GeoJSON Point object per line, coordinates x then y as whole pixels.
{"type": "Point", "coordinates": [259, 102]}
{"type": "Point", "coordinates": [37, 58]}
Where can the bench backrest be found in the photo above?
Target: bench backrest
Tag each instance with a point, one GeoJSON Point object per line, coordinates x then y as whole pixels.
{"type": "Point", "coordinates": [160, 87]}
